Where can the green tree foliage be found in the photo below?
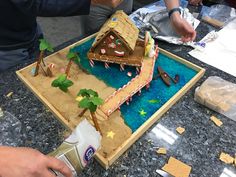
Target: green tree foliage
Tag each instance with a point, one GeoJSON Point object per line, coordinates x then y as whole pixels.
{"type": "Point", "coordinates": [62, 83]}
{"type": "Point", "coordinates": [71, 56]}
{"type": "Point", "coordinates": [90, 99]}
{"type": "Point", "coordinates": [45, 45]}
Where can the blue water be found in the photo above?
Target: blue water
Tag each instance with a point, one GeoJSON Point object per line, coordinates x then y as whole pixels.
{"type": "Point", "coordinates": [158, 91]}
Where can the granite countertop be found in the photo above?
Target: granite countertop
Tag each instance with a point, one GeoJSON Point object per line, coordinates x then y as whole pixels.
{"type": "Point", "coordinates": [199, 146]}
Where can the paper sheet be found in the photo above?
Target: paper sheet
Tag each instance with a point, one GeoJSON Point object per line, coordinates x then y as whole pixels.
{"type": "Point", "coordinates": [220, 53]}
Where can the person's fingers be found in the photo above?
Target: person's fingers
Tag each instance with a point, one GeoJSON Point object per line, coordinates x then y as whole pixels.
{"type": "Point", "coordinates": [190, 33]}
{"type": "Point", "coordinates": [194, 35]}
{"type": "Point", "coordinates": [48, 173]}
{"type": "Point", "coordinates": [187, 38]}
{"type": "Point", "coordinates": [59, 166]}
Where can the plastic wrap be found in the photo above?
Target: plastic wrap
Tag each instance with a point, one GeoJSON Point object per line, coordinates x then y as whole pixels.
{"type": "Point", "coordinates": [11, 132]}
{"type": "Point", "coordinates": [218, 95]}
{"type": "Point", "coordinates": [79, 147]}
{"type": "Point", "coordinates": [218, 15]}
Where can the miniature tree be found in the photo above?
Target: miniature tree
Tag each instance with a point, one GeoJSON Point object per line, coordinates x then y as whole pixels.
{"type": "Point", "coordinates": [90, 101]}
{"type": "Point", "coordinates": [71, 56]}
{"type": "Point", "coordinates": [62, 83]}
{"type": "Point", "coordinates": [43, 46]}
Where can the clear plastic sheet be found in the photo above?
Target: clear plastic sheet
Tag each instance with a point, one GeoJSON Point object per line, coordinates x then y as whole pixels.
{"type": "Point", "coordinates": [218, 15]}
{"type": "Point", "coordinates": [218, 95]}
{"type": "Point", "coordinates": [11, 132]}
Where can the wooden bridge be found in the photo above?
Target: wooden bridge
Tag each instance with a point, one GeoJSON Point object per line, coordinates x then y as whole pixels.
{"type": "Point", "coordinates": [124, 94]}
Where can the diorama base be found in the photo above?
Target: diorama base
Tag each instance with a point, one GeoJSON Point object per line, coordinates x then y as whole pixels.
{"type": "Point", "coordinates": [65, 107]}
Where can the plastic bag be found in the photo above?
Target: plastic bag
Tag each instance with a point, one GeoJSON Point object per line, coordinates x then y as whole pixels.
{"type": "Point", "coordinates": [218, 15]}
{"type": "Point", "coordinates": [155, 19]}
{"type": "Point", "coordinates": [79, 147]}
{"type": "Point", "coordinates": [11, 131]}
{"type": "Point", "coordinates": [218, 95]}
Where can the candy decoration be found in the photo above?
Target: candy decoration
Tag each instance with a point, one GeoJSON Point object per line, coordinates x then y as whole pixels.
{"type": "Point", "coordinates": [91, 63]}
{"type": "Point", "coordinates": [108, 40]}
{"type": "Point", "coordinates": [129, 74]}
{"type": "Point", "coordinates": [109, 112]}
{"type": "Point", "coordinates": [147, 86]}
{"type": "Point", "coordinates": [33, 71]}
{"type": "Point", "coordinates": [106, 65]}
{"type": "Point", "coordinates": [156, 51]}
{"type": "Point", "coordinates": [119, 54]}
{"type": "Point", "coordinates": [122, 68]}
{"type": "Point", "coordinates": [103, 51]}
{"type": "Point", "coordinates": [137, 70]}
{"type": "Point", "coordinates": [139, 92]}
{"type": "Point", "coordinates": [126, 99]}
{"type": "Point", "coordinates": [112, 24]}
{"type": "Point", "coordinates": [51, 65]}
{"type": "Point", "coordinates": [118, 42]}
{"type": "Point", "coordinates": [130, 99]}
{"type": "Point", "coordinates": [112, 37]}
{"type": "Point", "coordinates": [114, 19]}
{"type": "Point", "coordinates": [112, 45]}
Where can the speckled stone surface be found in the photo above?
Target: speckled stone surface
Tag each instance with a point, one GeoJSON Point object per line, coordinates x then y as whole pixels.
{"type": "Point", "coordinates": [199, 146]}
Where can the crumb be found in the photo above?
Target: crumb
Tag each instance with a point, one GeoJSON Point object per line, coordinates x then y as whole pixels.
{"type": "Point", "coordinates": [161, 151]}
{"type": "Point", "coordinates": [9, 94]}
{"type": "Point", "coordinates": [180, 130]}
{"type": "Point", "coordinates": [226, 158]}
{"type": "Point", "coordinates": [216, 121]}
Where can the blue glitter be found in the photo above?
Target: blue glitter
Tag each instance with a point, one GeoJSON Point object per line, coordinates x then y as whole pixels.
{"type": "Point", "coordinates": [113, 77]}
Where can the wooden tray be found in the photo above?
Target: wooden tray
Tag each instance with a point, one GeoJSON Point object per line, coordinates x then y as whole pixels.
{"type": "Point", "coordinates": [106, 162]}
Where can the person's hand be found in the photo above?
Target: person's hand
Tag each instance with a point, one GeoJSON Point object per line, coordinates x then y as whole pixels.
{"type": "Point", "coordinates": [182, 27]}
{"type": "Point", "coordinates": [26, 162]}
{"type": "Point", "coordinates": [195, 2]}
{"type": "Point", "coordinates": [110, 3]}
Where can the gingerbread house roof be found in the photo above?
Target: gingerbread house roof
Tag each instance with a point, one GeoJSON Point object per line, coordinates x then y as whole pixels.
{"type": "Point", "coordinates": [121, 25]}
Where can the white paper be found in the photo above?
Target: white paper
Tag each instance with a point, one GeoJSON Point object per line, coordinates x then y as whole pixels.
{"type": "Point", "coordinates": [220, 53]}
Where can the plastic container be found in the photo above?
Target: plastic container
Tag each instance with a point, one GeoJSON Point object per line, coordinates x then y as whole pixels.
{"type": "Point", "coordinates": [218, 95]}
{"type": "Point", "coordinates": [78, 149]}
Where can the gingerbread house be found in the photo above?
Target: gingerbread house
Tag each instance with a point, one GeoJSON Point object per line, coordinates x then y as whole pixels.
{"type": "Point", "coordinates": [117, 42]}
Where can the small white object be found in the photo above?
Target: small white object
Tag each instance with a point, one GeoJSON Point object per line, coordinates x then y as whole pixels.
{"type": "Point", "coordinates": [129, 74]}
{"type": "Point", "coordinates": [112, 45]}
{"type": "Point", "coordinates": [112, 37]}
{"type": "Point", "coordinates": [1, 112]}
{"type": "Point", "coordinates": [103, 51]}
{"type": "Point", "coordinates": [51, 65]}
{"type": "Point", "coordinates": [120, 54]}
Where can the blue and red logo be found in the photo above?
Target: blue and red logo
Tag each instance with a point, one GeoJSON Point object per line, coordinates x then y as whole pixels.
{"type": "Point", "coordinates": [88, 154]}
